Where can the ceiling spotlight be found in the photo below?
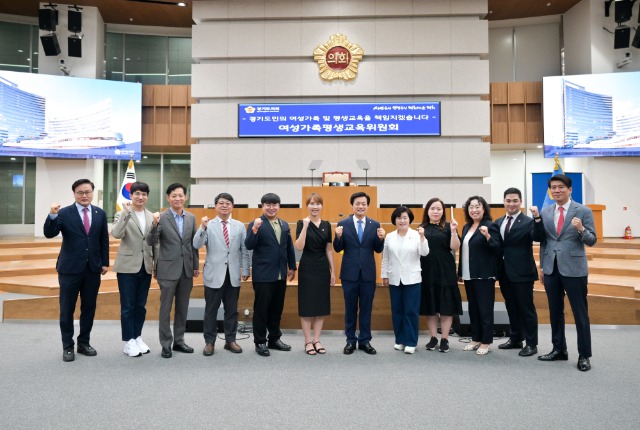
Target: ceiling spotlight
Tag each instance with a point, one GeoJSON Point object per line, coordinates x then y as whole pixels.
{"type": "Point", "coordinates": [182, 4]}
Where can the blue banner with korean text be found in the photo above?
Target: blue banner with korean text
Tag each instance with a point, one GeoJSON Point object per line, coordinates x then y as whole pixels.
{"type": "Point", "coordinates": [339, 119]}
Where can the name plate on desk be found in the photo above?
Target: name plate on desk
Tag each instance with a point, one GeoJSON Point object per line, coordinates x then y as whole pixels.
{"type": "Point", "coordinates": [339, 119]}
{"type": "Point", "coordinates": [338, 184]}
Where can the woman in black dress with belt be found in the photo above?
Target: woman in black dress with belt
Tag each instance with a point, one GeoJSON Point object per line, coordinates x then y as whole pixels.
{"type": "Point", "coordinates": [315, 273]}
{"type": "Point", "coordinates": [440, 292]}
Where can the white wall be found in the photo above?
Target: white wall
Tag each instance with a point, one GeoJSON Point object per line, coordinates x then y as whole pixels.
{"type": "Point", "coordinates": [413, 51]}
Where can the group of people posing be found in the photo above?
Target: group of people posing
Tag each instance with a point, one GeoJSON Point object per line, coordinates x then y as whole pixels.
{"type": "Point", "coordinates": [418, 267]}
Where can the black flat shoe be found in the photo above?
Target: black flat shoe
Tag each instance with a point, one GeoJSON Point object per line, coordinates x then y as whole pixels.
{"type": "Point", "coordinates": [583, 363]}
{"type": "Point", "coordinates": [182, 347]}
{"type": "Point", "coordinates": [366, 347]}
{"type": "Point", "coordinates": [554, 356]}
{"type": "Point", "coordinates": [86, 349]}
{"type": "Point", "coordinates": [349, 348]}
{"type": "Point", "coordinates": [166, 352]}
{"type": "Point", "coordinates": [279, 345]}
{"type": "Point", "coordinates": [68, 355]}
{"type": "Point", "coordinates": [510, 345]}
{"type": "Point", "coordinates": [528, 351]}
{"type": "Point", "coordinates": [262, 349]}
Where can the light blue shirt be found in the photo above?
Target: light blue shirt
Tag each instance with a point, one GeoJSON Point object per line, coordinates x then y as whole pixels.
{"type": "Point", "coordinates": [179, 220]}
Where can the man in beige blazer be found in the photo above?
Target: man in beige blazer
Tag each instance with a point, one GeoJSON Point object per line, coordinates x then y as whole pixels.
{"type": "Point", "coordinates": [177, 265]}
{"type": "Point", "coordinates": [226, 264]}
{"type": "Point", "coordinates": [134, 265]}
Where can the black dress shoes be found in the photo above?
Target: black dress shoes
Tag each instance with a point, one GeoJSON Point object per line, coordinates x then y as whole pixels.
{"type": "Point", "coordinates": [510, 345]}
{"type": "Point", "coordinates": [86, 349]}
{"type": "Point", "coordinates": [166, 352]}
{"type": "Point", "coordinates": [68, 354]}
{"type": "Point", "coordinates": [349, 348]}
{"type": "Point", "coordinates": [583, 363]}
{"type": "Point", "coordinates": [279, 345]}
{"type": "Point", "coordinates": [528, 351]}
{"type": "Point", "coordinates": [554, 356]}
{"type": "Point", "coordinates": [262, 349]}
{"type": "Point", "coordinates": [366, 347]}
{"type": "Point", "coordinates": [182, 347]}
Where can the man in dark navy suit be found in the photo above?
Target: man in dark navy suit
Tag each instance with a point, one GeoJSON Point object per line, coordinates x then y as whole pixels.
{"type": "Point", "coordinates": [84, 256]}
{"type": "Point", "coordinates": [273, 262]}
{"type": "Point", "coordinates": [358, 236]}
{"type": "Point", "coordinates": [517, 272]}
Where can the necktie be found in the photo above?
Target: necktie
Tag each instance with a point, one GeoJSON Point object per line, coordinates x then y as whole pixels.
{"type": "Point", "coordinates": [85, 221]}
{"type": "Point", "coordinates": [508, 227]}
{"type": "Point", "coordinates": [225, 233]}
{"type": "Point", "coordinates": [360, 230]}
{"type": "Point", "coordinates": [560, 220]}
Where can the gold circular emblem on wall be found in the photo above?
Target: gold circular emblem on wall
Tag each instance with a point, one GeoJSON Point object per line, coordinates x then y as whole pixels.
{"type": "Point", "coordinates": [338, 58]}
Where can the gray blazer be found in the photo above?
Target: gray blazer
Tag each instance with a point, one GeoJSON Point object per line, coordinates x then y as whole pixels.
{"type": "Point", "coordinates": [219, 257]}
{"type": "Point", "coordinates": [568, 247]}
{"type": "Point", "coordinates": [133, 249]}
{"type": "Point", "coordinates": [175, 253]}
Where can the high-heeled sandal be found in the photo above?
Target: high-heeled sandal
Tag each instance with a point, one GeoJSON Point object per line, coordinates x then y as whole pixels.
{"type": "Point", "coordinates": [320, 350]}
{"type": "Point", "coordinates": [311, 351]}
{"type": "Point", "coordinates": [483, 351]}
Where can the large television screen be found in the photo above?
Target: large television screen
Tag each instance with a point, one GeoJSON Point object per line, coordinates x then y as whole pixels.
{"type": "Point", "coordinates": [592, 115]}
{"type": "Point", "coordinates": [339, 119]}
{"type": "Point", "coordinates": [66, 117]}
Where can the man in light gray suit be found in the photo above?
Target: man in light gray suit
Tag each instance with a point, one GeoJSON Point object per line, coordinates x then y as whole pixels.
{"type": "Point", "coordinates": [563, 229]}
{"type": "Point", "coordinates": [227, 255]}
{"type": "Point", "coordinates": [178, 263]}
{"type": "Point", "coordinates": [134, 266]}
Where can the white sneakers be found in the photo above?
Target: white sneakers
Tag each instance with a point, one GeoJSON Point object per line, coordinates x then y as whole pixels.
{"type": "Point", "coordinates": [142, 346]}
{"type": "Point", "coordinates": [409, 349]}
{"type": "Point", "coordinates": [398, 347]}
{"type": "Point", "coordinates": [131, 348]}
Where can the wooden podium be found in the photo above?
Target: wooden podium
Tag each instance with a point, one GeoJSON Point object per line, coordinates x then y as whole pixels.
{"type": "Point", "coordinates": [336, 204]}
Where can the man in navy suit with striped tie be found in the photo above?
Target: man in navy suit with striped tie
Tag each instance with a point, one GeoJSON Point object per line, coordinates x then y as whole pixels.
{"type": "Point", "coordinates": [359, 237]}
{"type": "Point", "coordinates": [84, 256]}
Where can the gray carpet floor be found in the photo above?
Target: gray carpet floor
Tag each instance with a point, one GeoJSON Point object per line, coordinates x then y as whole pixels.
{"type": "Point", "coordinates": [292, 390]}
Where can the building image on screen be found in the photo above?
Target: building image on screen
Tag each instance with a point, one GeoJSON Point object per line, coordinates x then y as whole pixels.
{"type": "Point", "coordinates": [21, 114]}
{"type": "Point", "coordinates": [592, 115]}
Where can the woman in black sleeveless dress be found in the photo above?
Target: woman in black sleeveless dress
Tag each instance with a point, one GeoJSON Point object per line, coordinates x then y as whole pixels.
{"type": "Point", "coordinates": [315, 273]}
{"type": "Point", "coordinates": [440, 292]}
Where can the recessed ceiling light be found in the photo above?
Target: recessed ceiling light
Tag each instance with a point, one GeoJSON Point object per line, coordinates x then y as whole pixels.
{"type": "Point", "coordinates": [182, 4]}
{"type": "Point", "coordinates": [539, 147]}
{"type": "Point", "coordinates": [20, 50]}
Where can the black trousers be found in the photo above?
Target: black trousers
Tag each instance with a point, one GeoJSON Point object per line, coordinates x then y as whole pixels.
{"type": "Point", "coordinates": [85, 285]}
{"type": "Point", "coordinates": [523, 318]}
{"type": "Point", "coordinates": [228, 296]}
{"type": "Point", "coordinates": [481, 295]}
{"type": "Point", "coordinates": [576, 289]}
{"type": "Point", "coordinates": [267, 310]}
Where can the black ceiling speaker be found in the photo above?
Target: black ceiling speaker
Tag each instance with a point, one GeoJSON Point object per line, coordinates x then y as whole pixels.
{"type": "Point", "coordinates": [75, 21]}
{"type": "Point", "coordinates": [621, 37]}
{"type": "Point", "coordinates": [47, 19]}
{"type": "Point", "coordinates": [50, 45]}
{"type": "Point", "coordinates": [74, 46]}
{"type": "Point", "coordinates": [623, 10]}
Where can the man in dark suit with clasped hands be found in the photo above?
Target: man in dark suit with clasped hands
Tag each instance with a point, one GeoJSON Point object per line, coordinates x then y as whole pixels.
{"type": "Point", "coordinates": [359, 237]}
{"type": "Point", "coordinates": [563, 229]}
{"type": "Point", "coordinates": [178, 263]}
{"type": "Point", "coordinates": [84, 256]}
{"type": "Point", "coordinates": [272, 264]}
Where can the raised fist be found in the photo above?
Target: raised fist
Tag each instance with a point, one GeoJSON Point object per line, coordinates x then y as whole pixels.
{"type": "Point", "coordinates": [305, 222]}
{"type": "Point", "coordinates": [126, 207]}
{"type": "Point", "coordinates": [205, 222]}
{"type": "Point", "coordinates": [421, 231]}
{"type": "Point", "coordinates": [381, 233]}
{"type": "Point", "coordinates": [256, 225]}
{"type": "Point", "coordinates": [156, 218]}
{"type": "Point", "coordinates": [339, 231]}
{"type": "Point", "coordinates": [453, 224]}
{"type": "Point", "coordinates": [484, 231]}
{"type": "Point", "coordinates": [534, 211]}
{"type": "Point", "coordinates": [55, 207]}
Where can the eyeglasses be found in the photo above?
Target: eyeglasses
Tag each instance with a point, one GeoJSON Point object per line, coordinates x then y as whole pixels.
{"type": "Point", "coordinates": [139, 194]}
{"type": "Point", "coordinates": [83, 193]}
{"type": "Point", "coordinates": [270, 205]}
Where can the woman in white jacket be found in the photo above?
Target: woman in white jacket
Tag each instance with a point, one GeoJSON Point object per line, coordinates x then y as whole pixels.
{"type": "Point", "coordinates": [402, 274]}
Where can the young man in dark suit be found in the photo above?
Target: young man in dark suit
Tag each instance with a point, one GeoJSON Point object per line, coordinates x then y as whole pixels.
{"type": "Point", "coordinates": [359, 237]}
{"type": "Point", "coordinates": [517, 272]}
{"type": "Point", "coordinates": [272, 264]}
{"type": "Point", "coordinates": [563, 229]}
{"type": "Point", "coordinates": [84, 256]}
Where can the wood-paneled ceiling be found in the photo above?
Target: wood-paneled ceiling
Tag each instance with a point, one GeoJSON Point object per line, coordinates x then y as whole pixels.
{"type": "Point", "coordinates": [166, 13]}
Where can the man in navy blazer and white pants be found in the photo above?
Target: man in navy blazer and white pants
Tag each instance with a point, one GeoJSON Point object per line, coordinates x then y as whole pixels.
{"type": "Point", "coordinates": [359, 237]}
{"type": "Point", "coordinates": [563, 229]}
{"type": "Point", "coordinates": [84, 256]}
